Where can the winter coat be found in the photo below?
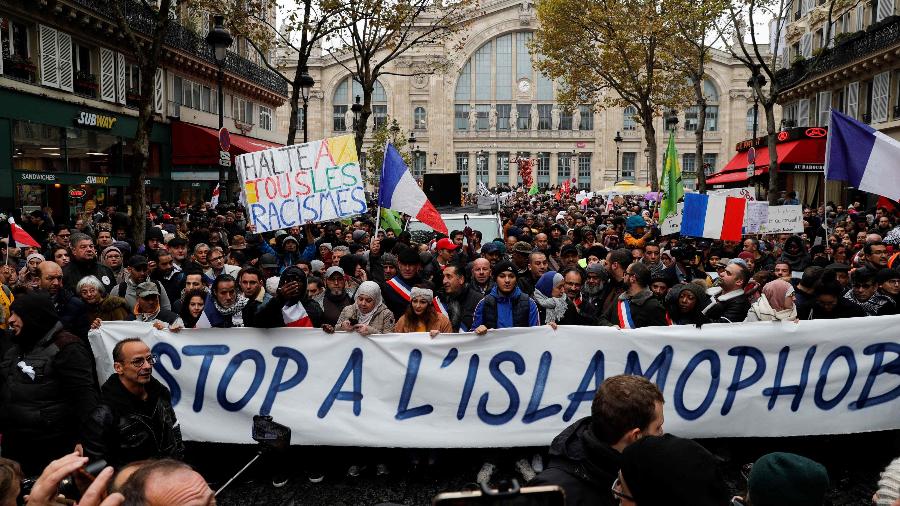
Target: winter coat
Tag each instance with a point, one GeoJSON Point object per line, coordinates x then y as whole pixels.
{"type": "Point", "coordinates": [507, 309]}
{"type": "Point", "coordinates": [441, 324]}
{"type": "Point", "coordinates": [269, 315]}
{"type": "Point", "coordinates": [583, 465]}
{"type": "Point", "coordinates": [76, 270]}
{"type": "Point", "coordinates": [461, 307]}
{"type": "Point", "coordinates": [762, 311]}
{"type": "Point", "coordinates": [125, 429]}
{"type": "Point", "coordinates": [728, 308]}
{"type": "Point", "coordinates": [382, 321]}
{"type": "Point", "coordinates": [646, 311]}
{"type": "Point", "coordinates": [72, 313]}
{"type": "Point", "coordinates": [695, 317]}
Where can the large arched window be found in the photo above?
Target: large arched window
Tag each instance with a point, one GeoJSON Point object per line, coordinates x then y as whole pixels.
{"type": "Point", "coordinates": [345, 94]}
{"type": "Point", "coordinates": [500, 75]}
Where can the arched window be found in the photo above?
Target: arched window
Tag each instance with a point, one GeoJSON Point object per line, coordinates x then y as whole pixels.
{"type": "Point", "coordinates": [420, 120]}
{"type": "Point", "coordinates": [628, 121]}
{"type": "Point", "coordinates": [712, 105]}
{"type": "Point", "coordinates": [345, 94]}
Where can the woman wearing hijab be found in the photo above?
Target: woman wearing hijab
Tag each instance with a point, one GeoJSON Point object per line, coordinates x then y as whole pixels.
{"type": "Point", "coordinates": [421, 316]}
{"type": "Point", "coordinates": [551, 302]}
{"type": "Point", "coordinates": [368, 314]}
{"type": "Point", "coordinates": [776, 303]}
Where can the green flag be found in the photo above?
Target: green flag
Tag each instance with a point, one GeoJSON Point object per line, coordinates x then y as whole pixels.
{"type": "Point", "coordinates": [534, 189]}
{"type": "Point", "coordinates": [672, 185]}
{"type": "Point", "coordinates": [390, 220]}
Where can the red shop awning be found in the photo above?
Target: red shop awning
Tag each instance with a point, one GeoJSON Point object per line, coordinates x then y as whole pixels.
{"type": "Point", "coordinates": [197, 145]}
{"type": "Point", "coordinates": [804, 152]}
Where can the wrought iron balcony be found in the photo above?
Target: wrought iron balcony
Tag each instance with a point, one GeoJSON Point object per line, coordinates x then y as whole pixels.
{"type": "Point", "coordinates": [877, 37]}
{"type": "Point", "coordinates": [143, 19]}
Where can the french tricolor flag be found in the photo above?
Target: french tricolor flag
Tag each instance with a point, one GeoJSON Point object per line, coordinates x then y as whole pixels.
{"type": "Point", "coordinates": [400, 192]}
{"type": "Point", "coordinates": [21, 237]}
{"type": "Point", "coordinates": [295, 316]}
{"type": "Point", "coordinates": [713, 217]}
{"type": "Point", "coordinates": [862, 156]}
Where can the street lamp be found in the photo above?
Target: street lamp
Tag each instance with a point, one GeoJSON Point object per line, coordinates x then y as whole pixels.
{"type": "Point", "coordinates": [220, 40]}
{"type": "Point", "coordinates": [647, 162]}
{"type": "Point", "coordinates": [618, 141]}
{"type": "Point", "coordinates": [414, 148]}
{"type": "Point", "coordinates": [356, 108]}
{"type": "Point", "coordinates": [306, 84]}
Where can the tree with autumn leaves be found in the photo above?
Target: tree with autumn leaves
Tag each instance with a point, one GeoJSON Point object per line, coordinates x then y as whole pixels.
{"type": "Point", "coordinates": [620, 53]}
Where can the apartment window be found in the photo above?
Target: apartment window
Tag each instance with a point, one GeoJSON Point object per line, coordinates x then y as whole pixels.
{"type": "Point", "coordinates": [208, 99]}
{"type": "Point", "coordinates": [81, 58]}
{"type": "Point", "coordinates": [544, 115]}
{"type": "Point", "coordinates": [819, 39]}
{"type": "Point", "coordinates": [524, 121]}
{"type": "Point", "coordinates": [265, 118]}
{"type": "Point", "coordinates": [563, 167]}
{"type": "Point", "coordinates": [690, 119]}
{"type": "Point", "coordinates": [419, 163]}
{"type": "Point", "coordinates": [628, 121]}
{"type": "Point", "coordinates": [712, 118]}
{"type": "Point", "coordinates": [379, 112]}
{"type": "Point", "coordinates": [688, 163]}
{"type": "Point", "coordinates": [338, 121]}
{"type": "Point", "coordinates": [503, 116]}
{"type": "Point", "coordinates": [587, 117]}
{"type": "Point", "coordinates": [584, 171]}
{"type": "Point", "coordinates": [21, 42]}
{"type": "Point", "coordinates": [242, 109]}
{"type": "Point", "coordinates": [709, 162]}
{"type": "Point", "coordinates": [543, 170]}
{"type": "Point", "coordinates": [629, 159]}
{"type": "Point", "coordinates": [420, 120]}
{"type": "Point", "coordinates": [462, 168]}
{"type": "Point", "coordinates": [133, 79]}
{"type": "Point", "coordinates": [502, 168]}
{"type": "Point", "coordinates": [461, 117]}
{"type": "Point", "coordinates": [565, 119]}
{"type": "Point", "coordinates": [482, 111]}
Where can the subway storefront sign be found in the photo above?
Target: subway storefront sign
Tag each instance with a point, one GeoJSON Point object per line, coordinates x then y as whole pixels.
{"type": "Point", "coordinates": [70, 179]}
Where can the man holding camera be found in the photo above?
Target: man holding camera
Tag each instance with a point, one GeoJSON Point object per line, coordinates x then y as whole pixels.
{"type": "Point", "coordinates": [134, 420]}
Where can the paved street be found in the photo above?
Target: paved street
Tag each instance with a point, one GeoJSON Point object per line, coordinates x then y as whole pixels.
{"type": "Point", "coordinates": [853, 462]}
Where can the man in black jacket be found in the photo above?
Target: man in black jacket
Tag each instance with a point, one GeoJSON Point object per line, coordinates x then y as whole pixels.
{"type": "Point", "coordinates": [47, 385]}
{"type": "Point", "coordinates": [290, 304]}
{"type": "Point", "coordinates": [731, 305]}
{"type": "Point", "coordinates": [637, 307]}
{"type": "Point", "coordinates": [135, 419]}
{"type": "Point", "coordinates": [84, 263]}
{"type": "Point", "coordinates": [459, 298]}
{"type": "Point", "coordinates": [71, 310]}
{"type": "Point", "coordinates": [585, 457]}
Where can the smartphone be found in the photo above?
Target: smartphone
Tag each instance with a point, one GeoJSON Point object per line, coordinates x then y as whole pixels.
{"type": "Point", "coordinates": [551, 495]}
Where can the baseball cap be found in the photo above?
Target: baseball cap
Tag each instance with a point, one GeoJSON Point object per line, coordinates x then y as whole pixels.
{"type": "Point", "coordinates": [137, 260]}
{"type": "Point", "coordinates": [490, 247]}
{"type": "Point", "coordinates": [268, 261]}
{"type": "Point", "coordinates": [445, 243]}
{"type": "Point", "coordinates": [333, 270]}
{"type": "Point", "coordinates": [146, 288]}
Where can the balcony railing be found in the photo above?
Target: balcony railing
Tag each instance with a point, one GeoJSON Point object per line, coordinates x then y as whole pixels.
{"type": "Point", "coordinates": [877, 37]}
{"type": "Point", "coordinates": [143, 20]}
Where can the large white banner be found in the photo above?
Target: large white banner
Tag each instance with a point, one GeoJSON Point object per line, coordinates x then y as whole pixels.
{"type": "Point", "coordinates": [520, 387]}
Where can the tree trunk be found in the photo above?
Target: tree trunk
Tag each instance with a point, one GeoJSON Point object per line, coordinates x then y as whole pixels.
{"type": "Point", "coordinates": [698, 135]}
{"type": "Point", "coordinates": [141, 155]}
{"type": "Point", "coordinates": [650, 137]}
{"type": "Point", "coordinates": [362, 122]}
{"type": "Point", "coordinates": [294, 103]}
{"type": "Point", "coordinates": [771, 141]}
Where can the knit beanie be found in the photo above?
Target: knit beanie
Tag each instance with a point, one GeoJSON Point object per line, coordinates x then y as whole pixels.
{"type": "Point", "coordinates": [667, 470]}
{"type": "Point", "coordinates": [787, 479]}
{"type": "Point", "coordinates": [889, 484]}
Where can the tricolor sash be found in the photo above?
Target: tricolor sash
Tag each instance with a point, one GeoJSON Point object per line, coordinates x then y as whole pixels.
{"type": "Point", "coordinates": [624, 310]}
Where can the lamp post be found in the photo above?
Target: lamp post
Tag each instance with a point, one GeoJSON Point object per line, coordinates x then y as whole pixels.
{"type": "Point", "coordinates": [647, 162]}
{"type": "Point", "coordinates": [219, 40]}
{"type": "Point", "coordinates": [306, 84]}
{"type": "Point", "coordinates": [414, 149]}
{"type": "Point", "coordinates": [356, 108]}
{"type": "Point", "coordinates": [618, 141]}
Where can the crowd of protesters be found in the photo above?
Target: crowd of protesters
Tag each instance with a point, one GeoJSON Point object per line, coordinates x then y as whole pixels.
{"type": "Point", "coordinates": [595, 263]}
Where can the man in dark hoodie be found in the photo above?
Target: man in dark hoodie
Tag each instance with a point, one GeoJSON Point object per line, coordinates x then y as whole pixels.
{"type": "Point", "coordinates": [47, 386]}
{"type": "Point", "coordinates": [585, 457]}
{"type": "Point", "coordinates": [291, 305]}
{"type": "Point", "coordinates": [134, 420]}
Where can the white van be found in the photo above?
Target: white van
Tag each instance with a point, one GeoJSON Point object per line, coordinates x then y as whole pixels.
{"type": "Point", "coordinates": [487, 224]}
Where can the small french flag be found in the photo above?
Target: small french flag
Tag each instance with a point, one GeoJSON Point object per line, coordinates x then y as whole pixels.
{"type": "Point", "coordinates": [400, 192]}
{"type": "Point", "coordinates": [21, 237]}
{"type": "Point", "coordinates": [713, 217]}
{"type": "Point", "coordinates": [295, 316]}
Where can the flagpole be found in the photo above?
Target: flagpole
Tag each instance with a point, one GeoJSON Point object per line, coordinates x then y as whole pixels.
{"type": "Point", "coordinates": [380, 174]}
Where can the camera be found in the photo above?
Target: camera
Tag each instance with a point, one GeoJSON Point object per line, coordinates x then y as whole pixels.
{"type": "Point", "coordinates": [73, 485]}
{"type": "Point", "coordinates": [270, 434]}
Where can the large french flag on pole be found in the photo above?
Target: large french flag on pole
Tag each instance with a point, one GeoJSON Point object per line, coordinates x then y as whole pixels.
{"type": "Point", "coordinates": [862, 156]}
{"type": "Point", "coordinates": [400, 192]}
{"type": "Point", "coordinates": [713, 217]}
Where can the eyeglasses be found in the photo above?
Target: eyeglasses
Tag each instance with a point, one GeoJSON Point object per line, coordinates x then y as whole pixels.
{"type": "Point", "coordinates": [63, 235]}
{"type": "Point", "coordinates": [150, 359]}
{"type": "Point", "coordinates": [216, 259]}
{"type": "Point", "coordinates": [617, 491]}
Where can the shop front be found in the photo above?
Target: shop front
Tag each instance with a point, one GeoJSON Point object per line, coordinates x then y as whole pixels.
{"type": "Point", "coordinates": [801, 162]}
{"type": "Point", "coordinates": [195, 160]}
{"type": "Point", "coordinates": [69, 158]}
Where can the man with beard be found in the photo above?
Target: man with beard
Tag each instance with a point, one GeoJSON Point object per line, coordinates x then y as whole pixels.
{"type": "Point", "coordinates": [617, 261]}
{"type": "Point", "coordinates": [148, 309]}
{"type": "Point", "coordinates": [70, 309]}
{"type": "Point", "coordinates": [194, 279]}
{"type": "Point", "coordinates": [167, 275]}
{"type": "Point", "coordinates": [47, 389]}
{"type": "Point", "coordinates": [397, 289]}
{"type": "Point", "coordinates": [579, 311]}
{"type": "Point", "coordinates": [732, 304]}
{"type": "Point", "coordinates": [459, 298]}
{"type": "Point", "coordinates": [290, 307]}
{"type": "Point", "coordinates": [135, 420]}
{"type": "Point", "coordinates": [481, 275]}
{"type": "Point", "coordinates": [595, 278]}
{"type": "Point", "coordinates": [335, 297]}
{"type": "Point", "coordinates": [636, 307]}
{"type": "Point", "coordinates": [84, 263]}
{"type": "Point", "coordinates": [651, 258]}
{"type": "Point", "coordinates": [138, 272]}
{"type": "Point", "coordinates": [227, 307]}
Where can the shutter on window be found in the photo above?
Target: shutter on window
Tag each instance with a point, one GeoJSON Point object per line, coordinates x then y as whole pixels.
{"type": "Point", "coordinates": [852, 99]}
{"type": "Point", "coordinates": [107, 75]}
{"type": "Point", "coordinates": [803, 113]}
{"type": "Point", "coordinates": [806, 45]}
{"type": "Point", "coordinates": [885, 9]}
{"type": "Point", "coordinates": [880, 90]}
{"type": "Point", "coordinates": [120, 78]}
{"type": "Point", "coordinates": [49, 57]}
{"type": "Point", "coordinates": [860, 13]}
{"type": "Point", "coordinates": [159, 100]}
{"type": "Point", "coordinates": [64, 51]}
{"type": "Point", "coordinates": [824, 104]}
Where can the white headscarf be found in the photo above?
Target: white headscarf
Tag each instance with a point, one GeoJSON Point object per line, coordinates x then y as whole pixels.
{"type": "Point", "coordinates": [371, 289]}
